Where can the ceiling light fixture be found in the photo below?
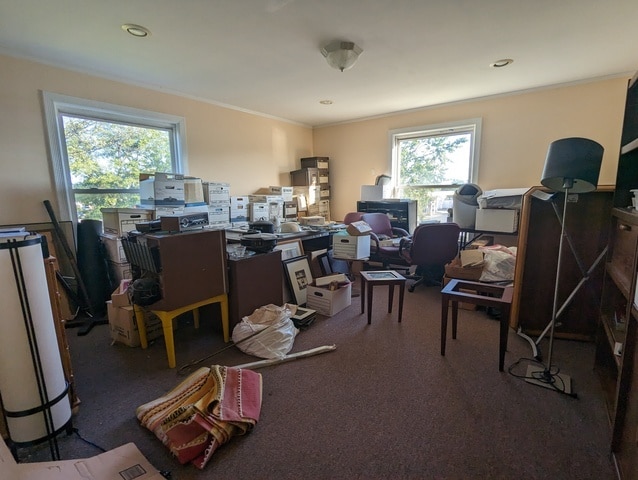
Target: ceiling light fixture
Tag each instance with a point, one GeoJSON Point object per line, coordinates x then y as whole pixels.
{"type": "Point", "coordinates": [504, 62]}
{"type": "Point", "coordinates": [341, 55]}
{"type": "Point", "coordinates": [325, 102]}
{"type": "Point", "coordinates": [136, 30]}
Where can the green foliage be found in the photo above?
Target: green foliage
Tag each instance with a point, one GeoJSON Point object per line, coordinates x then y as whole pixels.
{"type": "Point", "coordinates": [424, 164]}
{"type": "Point", "coordinates": [105, 155]}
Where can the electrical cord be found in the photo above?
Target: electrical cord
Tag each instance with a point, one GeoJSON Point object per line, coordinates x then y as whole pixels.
{"type": "Point", "coordinates": [551, 382]}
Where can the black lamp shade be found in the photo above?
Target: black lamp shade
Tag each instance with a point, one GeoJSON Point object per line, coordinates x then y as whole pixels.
{"type": "Point", "coordinates": [573, 162]}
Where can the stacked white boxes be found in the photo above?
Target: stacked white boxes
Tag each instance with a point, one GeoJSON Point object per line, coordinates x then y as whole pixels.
{"type": "Point", "coordinates": [499, 210]}
{"type": "Point", "coordinates": [217, 197]}
{"type": "Point", "coordinates": [172, 194]}
{"type": "Point", "coordinates": [117, 222]}
{"type": "Point", "coordinates": [239, 211]}
{"type": "Point", "coordinates": [273, 209]}
{"type": "Point", "coordinates": [285, 192]}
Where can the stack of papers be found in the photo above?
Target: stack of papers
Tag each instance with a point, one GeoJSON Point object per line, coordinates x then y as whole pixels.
{"type": "Point", "coordinates": [471, 258]}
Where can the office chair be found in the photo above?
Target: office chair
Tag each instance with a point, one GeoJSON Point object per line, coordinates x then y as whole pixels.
{"type": "Point", "coordinates": [431, 247]}
{"type": "Point", "coordinates": [382, 230]}
{"type": "Point", "coordinates": [352, 217]}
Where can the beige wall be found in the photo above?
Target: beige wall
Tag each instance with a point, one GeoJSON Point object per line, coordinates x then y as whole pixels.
{"type": "Point", "coordinates": [248, 151]}
{"type": "Point", "coordinates": [517, 130]}
{"type": "Point", "coordinates": [251, 151]}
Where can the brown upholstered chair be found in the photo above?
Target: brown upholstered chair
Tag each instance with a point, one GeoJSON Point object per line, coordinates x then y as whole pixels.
{"type": "Point", "coordinates": [431, 247]}
{"type": "Point", "coordinates": [382, 229]}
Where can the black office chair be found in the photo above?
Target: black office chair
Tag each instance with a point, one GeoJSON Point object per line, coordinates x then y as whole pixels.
{"type": "Point", "coordinates": [431, 247]}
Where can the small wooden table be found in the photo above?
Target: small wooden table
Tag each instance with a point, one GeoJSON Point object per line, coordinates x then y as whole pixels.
{"type": "Point", "coordinates": [487, 295]}
{"type": "Point", "coordinates": [370, 279]}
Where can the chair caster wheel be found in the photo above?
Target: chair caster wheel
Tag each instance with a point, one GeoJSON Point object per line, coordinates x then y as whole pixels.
{"type": "Point", "coordinates": [411, 288]}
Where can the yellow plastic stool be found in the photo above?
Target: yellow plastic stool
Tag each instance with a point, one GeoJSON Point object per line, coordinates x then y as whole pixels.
{"type": "Point", "coordinates": [167, 322]}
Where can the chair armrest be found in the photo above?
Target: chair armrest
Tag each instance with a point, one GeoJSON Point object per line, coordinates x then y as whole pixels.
{"type": "Point", "coordinates": [400, 232]}
{"type": "Point", "coordinates": [405, 246]}
{"type": "Point", "coordinates": [374, 238]}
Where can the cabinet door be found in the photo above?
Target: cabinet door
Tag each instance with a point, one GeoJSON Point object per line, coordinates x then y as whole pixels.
{"type": "Point", "coordinates": [254, 282]}
{"type": "Point", "coordinates": [587, 226]}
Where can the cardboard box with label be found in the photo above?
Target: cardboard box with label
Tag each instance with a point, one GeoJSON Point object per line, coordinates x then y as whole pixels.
{"type": "Point", "coordinates": [349, 247]}
{"type": "Point", "coordinates": [122, 322]}
{"type": "Point", "coordinates": [328, 302]}
{"type": "Point", "coordinates": [497, 220]}
{"type": "Point", "coordinates": [124, 462]}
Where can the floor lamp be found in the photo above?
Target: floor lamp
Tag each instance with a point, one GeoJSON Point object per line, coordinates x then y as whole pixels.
{"type": "Point", "coordinates": [572, 166]}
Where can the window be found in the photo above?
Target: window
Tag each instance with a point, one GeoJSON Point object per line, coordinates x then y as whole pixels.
{"type": "Point", "coordinates": [430, 163]}
{"type": "Point", "coordinates": [98, 151]}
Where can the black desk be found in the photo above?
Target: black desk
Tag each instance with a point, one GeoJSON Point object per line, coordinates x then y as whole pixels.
{"type": "Point", "coordinates": [312, 239]}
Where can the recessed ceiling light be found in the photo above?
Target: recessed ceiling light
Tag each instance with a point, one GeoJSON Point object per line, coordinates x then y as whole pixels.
{"type": "Point", "coordinates": [325, 102]}
{"type": "Point", "coordinates": [136, 30]}
{"type": "Point", "coordinates": [503, 62]}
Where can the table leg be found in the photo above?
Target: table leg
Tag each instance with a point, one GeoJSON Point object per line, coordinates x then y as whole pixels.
{"type": "Point", "coordinates": [401, 293]}
{"type": "Point", "coordinates": [505, 320]}
{"type": "Point", "coordinates": [455, 317]}
{"type": "Point", "coordinates": [363, 292]}
{"type": "Point", "coordinates": [371, 287]}
{"type": "Point", "coordinates": [444, 313]}
{"type": "Point", "coordinates": [390, 297]}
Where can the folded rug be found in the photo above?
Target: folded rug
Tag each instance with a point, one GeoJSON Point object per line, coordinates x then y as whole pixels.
{"type": "Point", "coordinates": [204, 411]}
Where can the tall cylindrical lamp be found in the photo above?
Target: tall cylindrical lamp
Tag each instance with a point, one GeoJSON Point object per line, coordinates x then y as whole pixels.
{"type": "Point", "coordinates": [32, 384]}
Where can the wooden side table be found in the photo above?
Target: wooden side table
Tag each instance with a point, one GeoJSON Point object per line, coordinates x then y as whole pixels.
{"type": "Point", "coordinates": [487, 295]}
{"type": "Point", "coordinates": [373, 278]}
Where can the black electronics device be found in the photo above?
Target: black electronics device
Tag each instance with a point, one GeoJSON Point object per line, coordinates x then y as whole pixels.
{"type": "Point", "coordinates": [259, 242]}
{"type": "Point", "coordinates": [183, 223]}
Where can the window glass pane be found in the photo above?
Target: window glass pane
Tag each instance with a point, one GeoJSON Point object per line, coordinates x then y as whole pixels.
{"type": "Point", "coordinates": [88, 205]}
{"type": "Point", "coordinates": [430, 163]}
{"type": "Point", "coordinates": [107, 155]}
{"type": "Point", "coordinates": [435, 160]}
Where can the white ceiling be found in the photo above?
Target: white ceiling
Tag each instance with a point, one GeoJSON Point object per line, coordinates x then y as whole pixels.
{"type": "Point", "coordinates": [263, 56]}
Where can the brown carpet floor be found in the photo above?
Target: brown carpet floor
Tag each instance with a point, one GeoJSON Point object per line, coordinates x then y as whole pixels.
{"type": "Point", "coordinates": [384, 404]}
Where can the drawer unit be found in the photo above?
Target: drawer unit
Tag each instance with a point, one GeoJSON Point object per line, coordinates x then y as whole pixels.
{"type": "Point", "coordinates": [315, 162]}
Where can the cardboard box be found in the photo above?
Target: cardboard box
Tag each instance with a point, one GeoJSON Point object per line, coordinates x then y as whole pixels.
{"type": "Point", "coordinates": [216, 192]}
{"type": "Point", "coordinates": [328, 302]}
{"type": "Point", "coordinates": [218, 214]}
{"type": "Point", "coordinates": [349, 247]}
{"type": "Point", "coordinates": [454, 269]}
{"type": "Point", "coordinates": [162, 189]}
{"type": "Point", "coordinates": [497, 220]}
{"type": "Point", "coordinates": [285, 192]}
{"type": "Point", "coordinates": [358, 228]}
{"type": "Point", "coordinates": [315, 162]}
{"type": "Point", "coordinates": [122, 462]}
{"type": "Point", "coordinates": [258, 211]}
{"type": "Point", "coordinates": [118, 221]}
{"type": "Point", "coordinates": [328, 279]}
{"type": "Point", "coordinates": [114, 249]}
{"type": "Point", "coordinates": [122, 322]}
{"type": "Point", "coordinates": [121, 271]}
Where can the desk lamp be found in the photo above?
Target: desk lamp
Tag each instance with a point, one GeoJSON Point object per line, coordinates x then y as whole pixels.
{"type": "Point", "coordinates": [572, 166]}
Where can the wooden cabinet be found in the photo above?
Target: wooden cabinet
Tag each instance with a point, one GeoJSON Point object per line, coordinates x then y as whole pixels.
{"type": "Point", "coordinates": [254, 282]}
{"type": "Point", "coordinates": [616, 361]}
{"type": "Point", "coordinates": [587, 225]}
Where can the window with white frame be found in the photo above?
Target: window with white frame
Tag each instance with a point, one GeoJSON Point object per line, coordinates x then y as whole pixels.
{"type": "Point", "coordinates": [430, 162]}
{"type": "Point", "coordinates": [98, 151]}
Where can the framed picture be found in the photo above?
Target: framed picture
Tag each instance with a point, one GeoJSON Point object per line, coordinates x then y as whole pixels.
{"type": "Point", "coordinates": [299, 277]}
{"type": "Point", "coordinates": [290, 249]}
